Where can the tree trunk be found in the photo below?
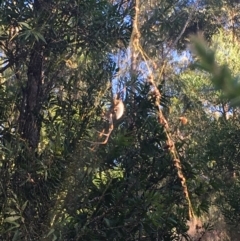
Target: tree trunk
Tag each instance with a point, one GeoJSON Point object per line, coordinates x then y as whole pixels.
{"type": "Point", "coordinates": [30, 116]}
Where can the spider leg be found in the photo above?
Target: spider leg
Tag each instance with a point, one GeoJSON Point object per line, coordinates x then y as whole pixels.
{"type": "Point", "coordinates": [111, 127]}
{"type": "Point", "coordinates": [102, 133]}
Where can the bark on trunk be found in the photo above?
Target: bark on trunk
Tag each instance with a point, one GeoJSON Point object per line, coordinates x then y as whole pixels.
{"type": "Point", "coordinates": [30, 116]}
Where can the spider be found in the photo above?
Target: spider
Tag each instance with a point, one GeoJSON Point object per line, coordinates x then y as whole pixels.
{"type": "Point", "coordinates": [115, 112]}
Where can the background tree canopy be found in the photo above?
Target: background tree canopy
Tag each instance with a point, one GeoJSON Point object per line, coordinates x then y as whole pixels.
{"type": "Point", "coordinates": [169, 169]}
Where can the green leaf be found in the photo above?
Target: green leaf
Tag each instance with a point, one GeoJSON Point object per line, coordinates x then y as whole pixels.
{"type": "Point", "coordinates": [40, 36]}
{"type": "Point", "coordinates": [50, 232]}
{"type": "Point", "coordinates": [25, 25]}
{"type": "Point", "coordinates": [11, 219]}
{"type": "Point", "coordinates": [107, 221]}
{"type": "Point", "coordinates": [54, 237]}
{"type": "Point", "coordinates": [24, 206]}
{"type": "Point", "coordinates": [16, 235]}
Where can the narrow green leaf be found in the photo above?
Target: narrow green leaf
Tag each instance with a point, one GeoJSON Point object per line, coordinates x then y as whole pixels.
{"type": "Point", "coordinates": [40, 36]}
{"type": "Point", "coordinates": [24, 206]}
{"type": "Point", "coordinates": [107, 222]}
{"type": "Point", "coordinates": [25, 25]}
{"type": "Point", "coordinates": [11, 219]}
{"type": "Point", "coordinates": [50, 232]}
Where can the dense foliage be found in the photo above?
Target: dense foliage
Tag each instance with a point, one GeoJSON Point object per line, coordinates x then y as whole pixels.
{"type": "Point", "coordinates": [169, 169]}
